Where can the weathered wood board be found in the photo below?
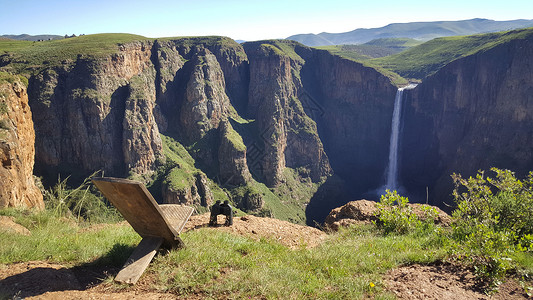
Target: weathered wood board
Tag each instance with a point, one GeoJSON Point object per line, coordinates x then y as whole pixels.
{"type": "Point", "coordinates": [157, 224]}
{"type": "Point", "coordinates": [139, 260]}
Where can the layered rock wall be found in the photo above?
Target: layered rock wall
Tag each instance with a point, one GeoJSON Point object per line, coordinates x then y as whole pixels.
{"type": "Point", "coordinates": [473, 114]}
{"type": "Point", "coordinates": [288, 135]}
{"type": "Point", "coordinates": [17, 150]}
{"type": "Point", "coordinates": [294, 107]}
{"type": "Point", "coordinates": [352, 105]}
{"type": "Point", "coordinates": [89, 114]}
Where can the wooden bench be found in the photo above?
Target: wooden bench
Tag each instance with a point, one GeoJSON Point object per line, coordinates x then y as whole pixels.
{"type": "Point", "coordinates": [157, 224]}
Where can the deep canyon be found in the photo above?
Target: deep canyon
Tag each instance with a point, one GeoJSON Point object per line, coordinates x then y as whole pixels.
{"type": "Point", "coordinates": [278, 128]}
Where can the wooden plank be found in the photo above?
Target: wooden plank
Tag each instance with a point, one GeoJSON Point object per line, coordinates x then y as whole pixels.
{"type": "Point", "coordinates": [136, 204]}
{"type": "Point", "coordinates": [139, 260]}
{"type": "Point", "coordinates": [176, 215]}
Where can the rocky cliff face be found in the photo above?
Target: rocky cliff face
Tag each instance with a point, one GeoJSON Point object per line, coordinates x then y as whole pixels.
{"type": "Point", "coordinates": [233, 169]}
{"type": "Point", "coordinates": [288, 135]}
{"type": "Point", "coordinates": [97, 114]}
{"type": "Point", "coordinates": [190, 190]}
{"type": "Point", "coordinates": [243, 115]}
{"type": "Point", "coordinates": [473, 114]}
{"type": "Point", "coordinates": [352, 105]}
{"type": "Point", "coordinates": [17, 152]}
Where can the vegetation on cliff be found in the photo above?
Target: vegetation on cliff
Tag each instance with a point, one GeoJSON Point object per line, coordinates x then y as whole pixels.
{"type": "Point", "coordinates": [373, 49]}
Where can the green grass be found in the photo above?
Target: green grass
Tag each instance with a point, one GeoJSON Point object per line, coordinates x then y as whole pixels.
{"type": "Point", "coordinates": [235, 139]}
{"type": "Point", "coordinates": [27, 57]}
{"type": "Point", "coordinates": [373, 49]}
{"type": "Point", "coordinates": [277, 47]}
{"type": "Point", "coordinates": [426, 59]}
{"type": "Point", "coordinates": [349, 264]}
{"type": "Point", "coordinates": [216, 263]}
{"type": "Point", "coordinates": [180, 171]}
{"type": "Point", "coordinates": [245, 268]}
{"type": "Point", "coordinates": [63, 240]}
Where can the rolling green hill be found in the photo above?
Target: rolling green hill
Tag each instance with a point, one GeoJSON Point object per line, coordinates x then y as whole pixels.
{"type": "Point", "coordinates": [373, 49]}
{"type": "Point", "coordinates": [27, 37]}
{"type": "Point", "coordinates": [425, 59]}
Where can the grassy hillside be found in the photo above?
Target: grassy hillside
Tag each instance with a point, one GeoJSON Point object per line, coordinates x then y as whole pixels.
{"type": "Point", "coordinates": [350, 264]}
{"type": "Point", "coordinates": [27, 56]}
{"type": "Point", "coordinates": [290, 49]}
{"type": "Point", "coordinates": [423, 60]}
{"type": "Point", "coordinates": [27, 37]}
{"type": "Point", "coordinates": [373, 49]}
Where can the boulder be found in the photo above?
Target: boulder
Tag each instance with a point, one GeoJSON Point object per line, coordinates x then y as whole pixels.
{"type": "Point", "coordinates": [365, 211]}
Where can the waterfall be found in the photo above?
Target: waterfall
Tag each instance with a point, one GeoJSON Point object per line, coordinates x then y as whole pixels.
{"type": "Point", "coordinates": [392, 170]}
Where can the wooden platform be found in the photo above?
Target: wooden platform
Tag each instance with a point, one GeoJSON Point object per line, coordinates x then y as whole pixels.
{"type": "Point", "coordinates": [158, 225]}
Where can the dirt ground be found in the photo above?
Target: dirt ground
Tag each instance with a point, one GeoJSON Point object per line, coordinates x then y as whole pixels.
{"type": "Point", "coordinates": [288, 234]}
{"type": "Point", "coordinates": [43, 280]}
{"type": "Point", "coordinates": [444, 281]}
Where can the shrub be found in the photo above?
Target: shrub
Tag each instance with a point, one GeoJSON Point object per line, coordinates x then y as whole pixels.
{"type": "Point", "coordinates": [493, 219]}
{"type": "Point", "coordinates": [504, 203]}
{"type": "Point", "coordinates": [3, 105]}
{"type": "Point", "coordinates": [395, 215]}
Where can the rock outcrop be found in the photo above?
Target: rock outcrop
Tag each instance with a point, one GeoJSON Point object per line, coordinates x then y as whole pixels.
{"type": "Point", "coordinates": [93, 114]}
{"type": "Point", "coordinates": [289, 137]}
{"type": "Point", "coordinates": [365, 211]}
{"type": "Point", "coordinates": [187, 189]}
{"type": "Point", "coordinates": [17, 150]}
{"type": "Point", "coordinates": [233, 169]}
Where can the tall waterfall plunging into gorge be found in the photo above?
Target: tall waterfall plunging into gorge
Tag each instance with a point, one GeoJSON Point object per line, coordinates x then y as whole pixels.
{"type": "Point", "coordinates": [391, 182]}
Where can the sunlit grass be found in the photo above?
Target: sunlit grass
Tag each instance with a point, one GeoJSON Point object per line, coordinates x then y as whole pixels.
{"type": "Point", "coordinates": [62, 240]}
{"type": "Point", "coordinates": [349, 265]}
{"type": "Point", "coordinates": [426, 59]}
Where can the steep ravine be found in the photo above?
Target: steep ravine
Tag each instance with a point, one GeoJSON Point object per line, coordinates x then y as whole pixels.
{"type": "Point", "coordinates": [276, 127]}
{"type": "Point", "coordinates": [108, 114]}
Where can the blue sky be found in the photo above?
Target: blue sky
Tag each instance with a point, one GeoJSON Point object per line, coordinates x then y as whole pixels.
{"type": "Point", "coordinates": [247, 20]}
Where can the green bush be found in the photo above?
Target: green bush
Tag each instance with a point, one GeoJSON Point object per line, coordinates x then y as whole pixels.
{"type": "Point", "coordinates": [504, 203]}
{"type": "Point", "coordinates": [493, 220]}
{"type": "Point", "coordinates": [395, 215]}
{"type": "Point", "coordinates": [3, 105]}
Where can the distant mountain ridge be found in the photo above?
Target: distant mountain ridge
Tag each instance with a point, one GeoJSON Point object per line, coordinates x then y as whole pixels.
{"type": "Point", "coordinates": [415, 30]}
{"type": "Point", "coordinates": [27, 37]}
